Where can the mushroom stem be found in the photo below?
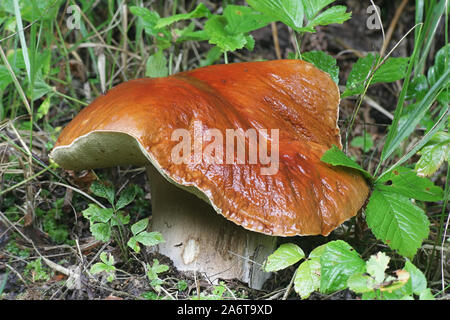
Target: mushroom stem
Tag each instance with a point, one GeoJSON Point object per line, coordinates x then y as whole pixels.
{"type": "Point", "coordinates": [199, 239]}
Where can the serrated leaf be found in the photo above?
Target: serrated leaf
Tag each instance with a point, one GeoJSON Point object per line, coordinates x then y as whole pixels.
{"type": "Point", "coordinates": [242, 19]}
{"type": "Point", "coordinates": [156, 66]}
{"type": "Point", "coordinates": [336, 157]}
{"type": "Point", "coordinates": [377, 265]}
{"type": "Point", "coordinates": [101, 267]}
{"type": "Point", "coordinates": [101, 231]}
{"type": "Point", "coordinates": [215, 29]}
{"type": "Point", "coordinates": [404, 181]}
{"type": "Point", "coordinates": [107, 259]}
{"type": "Point", "coordinates": [103, 191]}
{"type": "Point", "coordinates": [307, 278]}
{"type": "Point", "coordinates": [159, 268]}
{"type": "Point", "coordinates": [96, 214]}
{"type": "Point", "coordinates": [336, 14]}
{"type": "Point", "coordinates": [149, 238]}
{"type": "Point", "coordinates": [139, 226]}
{"type": "Point", "coordinates": [313, 7]}
{"type": "Point", "coordinates": [120, 219]}
{"type": "Point", "coordinates": [395, 220]}
{"type": "Point", "coordinates": [290, 12]}
{"type": "Point", "coordinates": [199, 12]}
{"type": "Point", "coordinates": [433, 154]}
{"type": "Point", "coordinates": [338, 262]}
{"type": "Point", "coordinates": [286, 255]}
{"type": "Point", "coordinates": [133, 244]}
{"type": "Point", "coordinates": [361, 283]}
{"type": "Point", "coordinates": [417, 280]}
{"type": "Point", "coordinates": [323, 62]}
{"type": "Point", "coordinates": [126, 197]}
{"type": "Point", "coordinates": [149, 18]}
{"type": "Point", "coordinates": [391, 70]}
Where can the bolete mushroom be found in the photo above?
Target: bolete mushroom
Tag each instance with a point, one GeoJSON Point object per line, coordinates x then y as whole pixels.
{"type": "Point", "coordinates": [219, 217]}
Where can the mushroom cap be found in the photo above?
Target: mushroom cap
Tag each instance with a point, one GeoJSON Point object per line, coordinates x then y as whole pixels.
{"type": "Point", "coordinates": [133, 124]}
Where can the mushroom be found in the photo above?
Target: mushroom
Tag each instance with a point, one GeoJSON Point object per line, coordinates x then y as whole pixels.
{"type": "Point", "coordinates": [221, 218]}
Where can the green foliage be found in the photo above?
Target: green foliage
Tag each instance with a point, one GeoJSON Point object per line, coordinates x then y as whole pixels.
{"type": "Point", "coordinates": [363, 142]}
{"type": "Point", "coordinates": [338, 262]}
{"type": "Point", "coordinates": [153, 272]}
{"type": "Point", "coordinates": [324, 62]}
{"type": "Point", "coordinates": [106, 265]}
{"type": "Point", "coordinates": [157, 65]}
{"type": "Point", "coordinates": [337, 157]}
{"type": "Point", "coordinates": [142, 236]}
{"type": "Point", "coordinates": [36, 271]}
{"type": "Point", "coordinates": [369, 69]}
{"type": "Point", "coordinates": [337, 266]}
{"type": "Point", "coordinates": [433, 154]}
{"type": "Point", "coordinates": [287, 254]}
{"type": "Point", "coordinates": [108, 222]}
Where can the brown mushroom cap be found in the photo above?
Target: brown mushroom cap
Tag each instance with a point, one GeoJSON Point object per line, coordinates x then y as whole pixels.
{"type": "Point", "coordinates": [134, 121]}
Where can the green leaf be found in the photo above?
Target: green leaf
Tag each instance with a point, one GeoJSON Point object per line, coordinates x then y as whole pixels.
{"type": "Point", "coordinates": [101, 231]}
{"type": "Point", "coordinates": [364, 142]}
{"type": "Point", "coordinates": [336, 14]}
{"type": "Point", "coordinates": [313, 7]}
{"type": "Point", "coordinates": [323, 62]}
{"type": "Point", "coordinates": [43, 108]}
{"type": "Point", "coordinates": [139, 226]}
{"type": "Point", "coordinates": [338, 262]}
{"type": "Point", "coordinates": [5, 78]}
{"type": "Point", "coordinates": [307, 278]}
{"type": "Point", "coordinates": [426, 295]}
{"type": "Point", "coordinates": [417, 281]}
{"type": "Point", "coordinates": [103, 191]}
{"type": "Point", "coordinates": [391, 70]}
{"type": "Point", "coordinates": [213, 55]}
{"type": "Point", "coordinates": [399, 132]}
{"type": "Point", "coordinates": [336, 157]}
{"type": "Point", "coordinates": [218, 35]}
{"type": "Point", "coordinates": [361, 283]}
{"type": "Point", "coordinates": [149, 18]}
{"type": "Point", "coordinates": [440, 64]}
{"type": "Point", "coordinates": [377, 265]}
{"type": "Point", "coordinates": [242, 19]}
{"type": "Point", "coordinates": [290, 12]}
{"type": "Point", "coordinates": [96, 214]}
{"type": "Point", "coordinates": [101, 267]}
{"type": "Point", "coordinates": [395, 220]}
{"type": "Point", "coordinates": [120, 219]}
{"type": "Point", "coordinates": [126, 197]}
{"type": "Point", "coordinates": [199, 12]}
{"type": "Point", "coordinates": [404, 181]}
{"type": "Point", "coordinates": [133, 244]}
{"type": "Point", "coordinates": [433, 154]}
{"type": "Point", "coordinates": [107, 259]}
{"type": "Point", "coordinates": [156, 66]}
{"type": "Point", "coordinates": [159, 268]}
{"type": "Point", "coordinates": [317, 252]}
{"type": "Point", "coordinates": [149, 238]}
{"type": "Point", "coordinates": [286, 255]}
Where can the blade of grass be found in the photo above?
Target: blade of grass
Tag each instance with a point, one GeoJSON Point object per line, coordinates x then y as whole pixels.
{"type": "Point", "coordinates": [399, 133]}
{"type": "Point", "coordinates": [23, 42]}
{"type": "Point", "coordinates": [399, 109]}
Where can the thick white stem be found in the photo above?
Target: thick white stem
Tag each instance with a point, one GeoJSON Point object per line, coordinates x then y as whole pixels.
{"type": "Point", "coordinates": [199, 239]}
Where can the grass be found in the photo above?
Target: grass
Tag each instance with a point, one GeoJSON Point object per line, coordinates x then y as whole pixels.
{"type": "Point", "coordinates": [49, 72]}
